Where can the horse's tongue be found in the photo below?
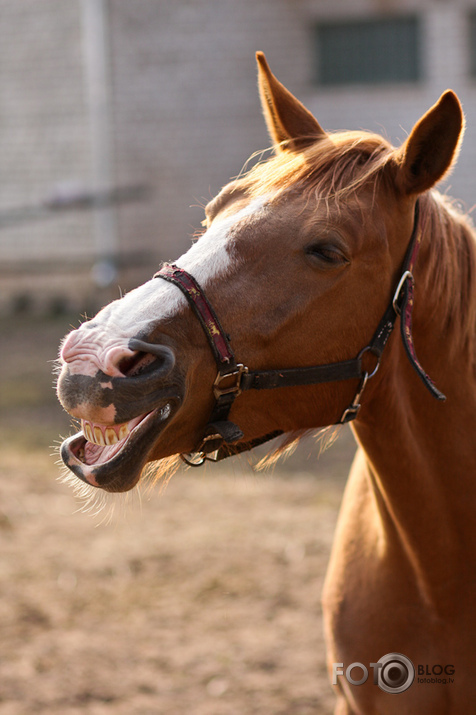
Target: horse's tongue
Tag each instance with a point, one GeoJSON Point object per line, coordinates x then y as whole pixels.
{"type": "Point", "coordinates": [95, 454]}
{"type": "Point", "coordinates": [98, 454]}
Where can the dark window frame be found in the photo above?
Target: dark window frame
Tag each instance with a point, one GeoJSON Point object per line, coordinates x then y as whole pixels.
{"type": "Point", "coordinates": [369, 51]}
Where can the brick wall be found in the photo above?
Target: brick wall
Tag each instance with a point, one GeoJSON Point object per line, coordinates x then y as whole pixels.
{"type": "Point", "coordinates": [186, 105]}
{"type": "Point", "coordinates": [43, 123]}
{"type": "Point", "coordinates": [186, 113]}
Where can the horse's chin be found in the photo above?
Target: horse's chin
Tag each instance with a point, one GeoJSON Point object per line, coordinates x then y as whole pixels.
{"type": "Point", "coordinates": [117, 467]}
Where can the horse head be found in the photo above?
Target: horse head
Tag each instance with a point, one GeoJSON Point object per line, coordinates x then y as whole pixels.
{"type": "Point", "coordinates": [297, 264]}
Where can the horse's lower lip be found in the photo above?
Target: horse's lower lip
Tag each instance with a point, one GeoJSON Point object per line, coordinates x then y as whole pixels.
{"type": "Point", "coordinates": [122, 464]}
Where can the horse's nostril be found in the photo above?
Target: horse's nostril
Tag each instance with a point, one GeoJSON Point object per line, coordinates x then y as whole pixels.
{"type": "Point", "coordinates": [135, 364]}
{"type": "Point", "coordinates": [145, 355]}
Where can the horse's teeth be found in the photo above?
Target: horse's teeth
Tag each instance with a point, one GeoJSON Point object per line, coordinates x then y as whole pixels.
{"type": "Point", "coordinates": [99, 437]}
{"type": "Point", "coordinates": [88, 433]}
{"type": "Point", "coordinates": [111, 436]}
{"type": "Point", "coordinates": [107, 435]}
{"type": "Point", "coordinates": [102, 436]}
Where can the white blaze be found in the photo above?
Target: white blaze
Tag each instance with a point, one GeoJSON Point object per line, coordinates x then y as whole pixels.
{"type": "Point", "coordinates": [207, 260]}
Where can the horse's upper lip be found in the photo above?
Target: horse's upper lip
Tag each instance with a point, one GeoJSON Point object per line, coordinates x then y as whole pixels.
{"type": "Point", "coordinates": [126, 397]}
{"type": "Point", "coordinates": [117, 467]}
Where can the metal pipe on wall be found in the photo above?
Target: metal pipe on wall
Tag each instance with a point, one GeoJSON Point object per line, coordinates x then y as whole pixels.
{"type": "Point", "coordinates": [98, 79]}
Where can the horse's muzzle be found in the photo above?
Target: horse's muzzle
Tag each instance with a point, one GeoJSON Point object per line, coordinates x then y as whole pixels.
{"type": "Point", "coordinates": [146, 382]}
{"type": "Point", "coordinates": [121, 417]}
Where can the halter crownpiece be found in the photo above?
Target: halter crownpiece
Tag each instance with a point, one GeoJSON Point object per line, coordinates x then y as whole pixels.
{"type": "Point", "coordinates": [221, 435]}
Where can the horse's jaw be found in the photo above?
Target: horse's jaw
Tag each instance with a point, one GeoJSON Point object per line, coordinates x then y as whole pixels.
{"type": "Point", "coordinates": [117, 467]}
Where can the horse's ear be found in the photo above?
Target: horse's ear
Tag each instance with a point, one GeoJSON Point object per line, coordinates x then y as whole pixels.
{"type": "Point", "coordinates": [432, 146]}
{"type": "Point", "coordinates": [290, 125]}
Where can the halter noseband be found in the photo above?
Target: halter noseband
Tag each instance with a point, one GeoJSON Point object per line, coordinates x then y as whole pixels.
{"type": "Point", "coordinates": [221, 435]}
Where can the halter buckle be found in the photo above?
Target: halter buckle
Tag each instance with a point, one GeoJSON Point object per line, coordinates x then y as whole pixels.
{"type": "Point", "coordinates": [396, 297]}
{"type": "Point", "coordinates": [235, 388]}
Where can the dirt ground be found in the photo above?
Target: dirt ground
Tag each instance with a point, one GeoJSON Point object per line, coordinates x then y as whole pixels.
{"type": "Point", "coordinates": [202, 599]}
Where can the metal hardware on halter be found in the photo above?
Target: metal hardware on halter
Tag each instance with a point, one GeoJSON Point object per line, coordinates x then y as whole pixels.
{"type": "Point", "coordinates": [396, 297]}
{"type": "Point", "coordinates": [351, 412]}
{"type": "Point", "coordinates": [376, 354]}
{"type": "Point", "coordinates": [235, 388]}
{"type": "Point", "coordinates": [196, 459]}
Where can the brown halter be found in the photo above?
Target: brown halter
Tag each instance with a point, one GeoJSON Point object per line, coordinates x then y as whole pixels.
{"type": "Point", "coordinates": [221, 435]}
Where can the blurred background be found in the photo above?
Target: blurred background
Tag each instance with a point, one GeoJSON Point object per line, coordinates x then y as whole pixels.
{"type": "Point", "coordinates": [119, 120]}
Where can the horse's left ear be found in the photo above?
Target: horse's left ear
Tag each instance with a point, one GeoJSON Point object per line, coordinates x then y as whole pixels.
{"type": "Point", "coordinates": [429, 151]}
{"type": "Point", "coordinates": [290, 125]}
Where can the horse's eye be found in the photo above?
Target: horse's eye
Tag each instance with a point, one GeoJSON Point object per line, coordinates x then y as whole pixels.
{"type": "Point", "coordinates": [326, 254]}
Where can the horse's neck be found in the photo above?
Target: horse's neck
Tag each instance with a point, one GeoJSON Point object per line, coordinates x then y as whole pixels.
{"type": "Point", "coordinates": [421, 453]}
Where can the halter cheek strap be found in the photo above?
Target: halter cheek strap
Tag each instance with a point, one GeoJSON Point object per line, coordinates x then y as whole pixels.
{"type": "Point", "coordinates": [402, 305]}
{"type": "Point", "coordinates": [221, 435]}
{"type": "Point", "coordinates": [227, 385]}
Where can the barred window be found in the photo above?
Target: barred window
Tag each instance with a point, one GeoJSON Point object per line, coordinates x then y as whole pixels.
{"type": "Point", "coordinates": [369, 51]}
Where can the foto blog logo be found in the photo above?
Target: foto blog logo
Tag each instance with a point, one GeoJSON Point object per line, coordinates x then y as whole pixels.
{"type": "Point", "coordinates": [393, 673]}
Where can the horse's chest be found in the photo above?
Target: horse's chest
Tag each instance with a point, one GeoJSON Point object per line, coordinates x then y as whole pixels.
{"type": "Point", "coordinates": [373, 607]}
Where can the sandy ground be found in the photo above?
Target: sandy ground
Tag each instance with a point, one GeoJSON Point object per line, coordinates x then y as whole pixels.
{"type": "Point", "coordinates": [203, 599]}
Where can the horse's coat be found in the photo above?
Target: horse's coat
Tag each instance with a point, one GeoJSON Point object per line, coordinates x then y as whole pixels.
{"type": "Point", "coordinates": [300, 258]}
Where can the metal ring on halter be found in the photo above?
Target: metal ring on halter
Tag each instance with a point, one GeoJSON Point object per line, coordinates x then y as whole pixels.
{"type": "Point", "coordinates": [368, 375]}
{"type": "Point", "coordinates": [193, 459]}
{"type": "Point", "coordinates": [197, 458]}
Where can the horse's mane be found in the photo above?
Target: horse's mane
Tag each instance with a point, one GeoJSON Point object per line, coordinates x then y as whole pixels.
{"type": "Point", "coordinates": [449, 274]}
{"type": "Point", "coordinates": [333, 167]}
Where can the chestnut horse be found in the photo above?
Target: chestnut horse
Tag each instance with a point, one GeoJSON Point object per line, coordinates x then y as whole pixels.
{"type": "Point", "coordinates": [306, 265]}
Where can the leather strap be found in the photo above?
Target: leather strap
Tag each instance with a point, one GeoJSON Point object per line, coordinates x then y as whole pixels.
{"type": "Point", "coordinates": [402, 305]}
{"type": "Point", "coordinates": [217, 338]}
{"type": "Point", "coordinates": [293, 377]}
{"type": "Point", "coordinates": [221, 434]}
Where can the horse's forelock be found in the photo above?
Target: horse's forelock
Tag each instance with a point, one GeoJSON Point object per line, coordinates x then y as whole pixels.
{"type": "Point", "coordinates": [333, 167]}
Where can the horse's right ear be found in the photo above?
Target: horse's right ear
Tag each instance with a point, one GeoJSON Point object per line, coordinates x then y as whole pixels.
{"type": "Point", "coordinates": [290, 125]}
{"type": "Point", "coordinates": [432, 146]}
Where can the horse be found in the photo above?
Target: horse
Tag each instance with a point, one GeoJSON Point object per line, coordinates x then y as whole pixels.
{"type": "Point", "coordinates": [326, 277]}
